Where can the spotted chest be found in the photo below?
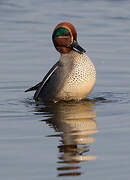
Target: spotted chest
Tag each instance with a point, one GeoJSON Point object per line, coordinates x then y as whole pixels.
{"type": "Point", "coordinates": [80, 78]}
{"type": "Point", "coordinates": [82, 72]}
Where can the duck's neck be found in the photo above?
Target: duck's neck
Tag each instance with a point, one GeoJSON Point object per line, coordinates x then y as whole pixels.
{"type": "Point", "coordinates": [69, 54]}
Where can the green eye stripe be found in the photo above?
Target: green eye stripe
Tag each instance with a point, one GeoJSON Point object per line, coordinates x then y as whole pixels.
{"type": "Point", "coordinates": [61, 31]}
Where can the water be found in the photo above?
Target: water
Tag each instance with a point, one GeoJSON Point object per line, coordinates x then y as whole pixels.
{"type": "Point", "coordinates": [84, 140]}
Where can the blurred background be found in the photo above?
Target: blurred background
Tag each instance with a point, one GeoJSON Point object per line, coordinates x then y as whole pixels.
{"type": "Point", "coordinates": [89, 139]}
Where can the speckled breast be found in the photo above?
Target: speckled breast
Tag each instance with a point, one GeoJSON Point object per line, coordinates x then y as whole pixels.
{"type": "Point", "coordinates": [80, 81]}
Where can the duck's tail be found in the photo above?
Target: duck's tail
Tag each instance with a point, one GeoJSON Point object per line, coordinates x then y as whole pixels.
{"type": "Point", "coordinates": [34, 88]}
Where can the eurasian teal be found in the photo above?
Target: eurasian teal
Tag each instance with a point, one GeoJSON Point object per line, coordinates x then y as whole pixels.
{"type": "Point", "coordinates": [73, 76]}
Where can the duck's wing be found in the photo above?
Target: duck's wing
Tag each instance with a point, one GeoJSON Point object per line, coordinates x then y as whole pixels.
{"type": "Point", "coordinates": [39, 86]}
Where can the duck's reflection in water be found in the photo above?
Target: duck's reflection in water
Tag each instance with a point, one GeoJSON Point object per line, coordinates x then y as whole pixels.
{"type": "Point", "coordinates": [75, 124]}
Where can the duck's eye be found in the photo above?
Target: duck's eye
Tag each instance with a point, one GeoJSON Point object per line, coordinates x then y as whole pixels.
{"type": "Point", "coordinates": [61, 31]}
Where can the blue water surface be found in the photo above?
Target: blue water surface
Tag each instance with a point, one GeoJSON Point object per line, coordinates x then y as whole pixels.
{"type": "Point", "coordinates": [83, 140]}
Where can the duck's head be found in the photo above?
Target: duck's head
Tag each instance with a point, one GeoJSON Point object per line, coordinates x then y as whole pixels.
{"type": "Point", "coordinates": [65, 38]}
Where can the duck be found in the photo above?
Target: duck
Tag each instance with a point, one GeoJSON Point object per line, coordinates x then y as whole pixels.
{"type": "Point", "coordinates": [73, 76]}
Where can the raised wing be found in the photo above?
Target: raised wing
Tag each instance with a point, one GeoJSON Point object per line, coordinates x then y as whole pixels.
{"type": "Point", "coordinates": [40, 85]}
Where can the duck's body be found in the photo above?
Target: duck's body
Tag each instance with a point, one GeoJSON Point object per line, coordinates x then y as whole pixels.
{"type": "Point", "coordinates": [71, 78]}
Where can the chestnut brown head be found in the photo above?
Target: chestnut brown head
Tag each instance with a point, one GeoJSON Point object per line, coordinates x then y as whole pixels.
{"type": "Point", "coordinates": [65, 38]}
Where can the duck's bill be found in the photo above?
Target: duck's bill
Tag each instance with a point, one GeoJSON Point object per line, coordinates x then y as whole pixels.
{"type": "Point", "coordinates": [76, 47]}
